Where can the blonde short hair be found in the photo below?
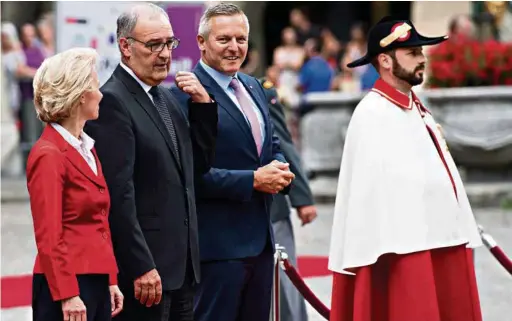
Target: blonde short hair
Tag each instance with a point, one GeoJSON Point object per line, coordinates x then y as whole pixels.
{"type": "Point", "coordinates": [61, 80]}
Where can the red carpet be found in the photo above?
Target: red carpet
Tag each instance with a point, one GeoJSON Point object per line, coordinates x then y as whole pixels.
{"type": "Point", "coordinates": [16, 290]}
{"type": "Point", "coordinates": [311, 266]}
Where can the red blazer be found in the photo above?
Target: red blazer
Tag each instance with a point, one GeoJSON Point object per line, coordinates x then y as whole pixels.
{"type": "Point", "coordinates": [70, 206]}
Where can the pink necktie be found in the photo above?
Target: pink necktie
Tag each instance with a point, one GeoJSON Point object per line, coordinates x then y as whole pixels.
{"type": "Point", "coordinates": [247, 108]}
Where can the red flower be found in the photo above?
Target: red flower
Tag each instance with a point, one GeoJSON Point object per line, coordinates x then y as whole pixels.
{"type": "Point", "coordinates": [470, 63]}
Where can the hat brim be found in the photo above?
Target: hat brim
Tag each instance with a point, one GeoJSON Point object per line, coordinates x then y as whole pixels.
{"type": "Point", "coordinates": [360, 62]}
{"type": "Point", "coordinates": [423, 41]}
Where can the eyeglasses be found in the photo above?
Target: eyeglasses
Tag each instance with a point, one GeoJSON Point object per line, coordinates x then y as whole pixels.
{"type": "Point", "coordinates": [171, 44]}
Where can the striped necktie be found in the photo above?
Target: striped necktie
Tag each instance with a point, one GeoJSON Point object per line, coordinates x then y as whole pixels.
{"type": "Point", "coordinates": [161, 106]}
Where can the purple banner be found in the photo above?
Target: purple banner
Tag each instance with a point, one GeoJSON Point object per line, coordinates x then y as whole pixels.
{"type": "Point", "coordinates": [185, 22]}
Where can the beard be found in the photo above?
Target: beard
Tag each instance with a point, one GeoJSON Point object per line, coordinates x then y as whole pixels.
{"type": "Point", "coordinates": [409, 77]}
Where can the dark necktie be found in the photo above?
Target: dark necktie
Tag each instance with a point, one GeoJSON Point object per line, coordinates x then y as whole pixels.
{"type": "Point", "coordinates": [160, 105]}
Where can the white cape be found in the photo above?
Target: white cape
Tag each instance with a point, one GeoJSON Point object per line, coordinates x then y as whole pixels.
{"type": "Point", "coordinates": [394, 192]}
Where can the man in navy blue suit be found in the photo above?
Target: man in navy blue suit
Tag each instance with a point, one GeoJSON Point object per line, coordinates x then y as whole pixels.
{"type": "Point", "coordinates": [235, 196]}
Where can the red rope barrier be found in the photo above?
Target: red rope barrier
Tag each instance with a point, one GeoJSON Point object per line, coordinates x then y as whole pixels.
{"type": "Point", "coordinates": [496, 251]}
{"type": "Point", "coordinates": [306, 292]}
{"type": "Point", "coordinates": [324, 311]}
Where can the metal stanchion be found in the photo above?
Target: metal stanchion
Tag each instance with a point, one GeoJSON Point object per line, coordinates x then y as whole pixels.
{"type": "Point", "coordinates": [279, 256]}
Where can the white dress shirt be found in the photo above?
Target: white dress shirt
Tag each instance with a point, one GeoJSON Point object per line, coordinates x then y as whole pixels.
{"type": "Point", "coordinates": [83, 145]}
{"type": "Point", "coordinates": [144, 86]}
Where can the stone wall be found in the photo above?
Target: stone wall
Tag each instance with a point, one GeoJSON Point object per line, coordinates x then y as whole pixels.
{"type": "Point", "coordinates": [477, 123]}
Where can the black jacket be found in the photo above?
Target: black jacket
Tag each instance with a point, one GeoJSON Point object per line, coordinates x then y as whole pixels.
{"type": "Point", "coordinates": [300, 193]}
{"type": "Point", "coordinates": [153, 214]}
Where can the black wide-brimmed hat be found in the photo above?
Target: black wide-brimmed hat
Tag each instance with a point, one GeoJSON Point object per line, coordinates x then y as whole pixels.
{"type": "Point", "coordinates": [390, 33]}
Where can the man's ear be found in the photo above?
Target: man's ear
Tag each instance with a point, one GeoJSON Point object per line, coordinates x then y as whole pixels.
{"type": "Point", "coordinates": [385, 61]}
{"type": "Point", "coordinates": [201, 42]}
{"type": "Point", "coordinates": [125, 47]}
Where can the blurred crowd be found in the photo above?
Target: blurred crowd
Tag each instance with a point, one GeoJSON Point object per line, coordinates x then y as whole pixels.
{"type": "Point", "coordinates": [24, 49]}
{"type": "Point", "coordinates": [311, 59]}
{"type": "Point", "coordinates": [22, 53]}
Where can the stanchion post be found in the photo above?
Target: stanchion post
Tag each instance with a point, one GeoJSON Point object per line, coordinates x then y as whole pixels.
{"type": "Point", "coordinates": [279, 255]}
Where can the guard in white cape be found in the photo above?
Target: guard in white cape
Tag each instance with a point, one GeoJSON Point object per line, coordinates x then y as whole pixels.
{"type": "Point", "coordinates": [403, 230]}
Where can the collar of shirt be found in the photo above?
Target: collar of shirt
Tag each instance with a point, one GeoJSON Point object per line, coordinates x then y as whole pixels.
{"type": "Point", "coordinates": [144, 86]}
{"type": "Point", "coordinates": [221, 79]}
{"type": "Point", "coordinates": [85, 141]}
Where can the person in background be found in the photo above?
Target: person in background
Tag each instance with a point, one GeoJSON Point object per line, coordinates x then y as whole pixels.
{"type": "Point", "coordinates": [501, 11]}
{"type": "Point", "coordinates": [34, 58]}
{"type": "Point", "coordinates": [292, 121]}
{"type": "Point", "coordinates": [272, 75]}
{"type": "Point", "coordinates": [461, 28]}
{"type": "Point", "coordinates": [303, 26]}
{"type": "Point", "coordinates": [293, 306]}
{"type": "Point", "coordinates": [46, 36]}
{"type": "Point", "coordinates": [369, 78]}
{"type": "Point", "coordinates": [355, 49]}
{"type": "Point", "coordinates": [315, 75]}
{"type": "Point", "coordinates": [234, 197]}
{"type": "Point", "coordinates": [252, 60]}
{"type": "Point", "coordinates": [30, 128]}
{"type": "Point", "coordinates": [13, 62]}
{"type": "Point", "coordinates": [75, 272]}
{"type": "Point", "coordinates": [289, 57]}
{"type": "Point", "coordinates": [331, 49]}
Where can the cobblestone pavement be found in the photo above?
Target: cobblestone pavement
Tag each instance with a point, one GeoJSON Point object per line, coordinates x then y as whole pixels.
{"type": "Point", "coordinates": [495, 285]}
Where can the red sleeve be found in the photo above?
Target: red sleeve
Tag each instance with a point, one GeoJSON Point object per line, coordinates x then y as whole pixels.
{"type": "Point", "coordinates": [45, 181]}
{"type": "Point", "coordinates": [112, 279]}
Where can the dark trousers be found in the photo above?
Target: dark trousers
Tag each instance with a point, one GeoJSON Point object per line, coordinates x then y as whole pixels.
{"type": "Point", "coordinates": [235, 290]}
{"type": "Point", "coordinates": [94, 293]}
{"type": "Point", "coordinates": [175, 305]}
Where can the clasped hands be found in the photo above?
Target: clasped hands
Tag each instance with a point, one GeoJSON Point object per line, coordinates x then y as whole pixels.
{"type": "Point", "coordinates": [273, 178]}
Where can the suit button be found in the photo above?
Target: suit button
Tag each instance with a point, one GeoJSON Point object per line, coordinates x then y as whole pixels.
{"type": "Point", "coordinates": [103, 212]}
{"type": "Point", "coordinates": [105, 235]}
{"type": "Point", "coordinates": [186, 222]}
{"type": "Point", "coordinates": [102, 190]}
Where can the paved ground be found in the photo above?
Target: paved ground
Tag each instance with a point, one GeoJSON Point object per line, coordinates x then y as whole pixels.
{"type": "Point", "coordinates": [18, 250]}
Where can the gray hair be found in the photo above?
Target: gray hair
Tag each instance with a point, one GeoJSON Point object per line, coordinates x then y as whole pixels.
{"type": "Point", "coordinates": [221, 9]}
{"type": "Point", "coordinates": [10, 31]}
{"type": "Point", "coordinates": [128, 19]}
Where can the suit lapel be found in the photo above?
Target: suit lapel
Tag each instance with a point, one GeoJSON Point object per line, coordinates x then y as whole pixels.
{"type": "Point", "coordinates": [79, 162]}
{"type": "Point", "coordinates": [261, 103]}
{"type": "Point", "coordinates": [74, 156]}
{"type": "Point", "coordinates": [223, 100]}
{"type": "Point", "coordinates": [143, 99]}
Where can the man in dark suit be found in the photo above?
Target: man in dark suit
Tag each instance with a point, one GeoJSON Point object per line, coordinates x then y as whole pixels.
{"type": "Point", "coordinates": [151, 152]}
{"type": "Point", "coordinates": [293, 307]}
{"type": "Point", "coordinates": [235, 196]}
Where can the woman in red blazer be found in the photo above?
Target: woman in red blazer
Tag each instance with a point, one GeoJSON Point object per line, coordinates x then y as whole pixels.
{"type": "Point", "coordinates": [75, 272]}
